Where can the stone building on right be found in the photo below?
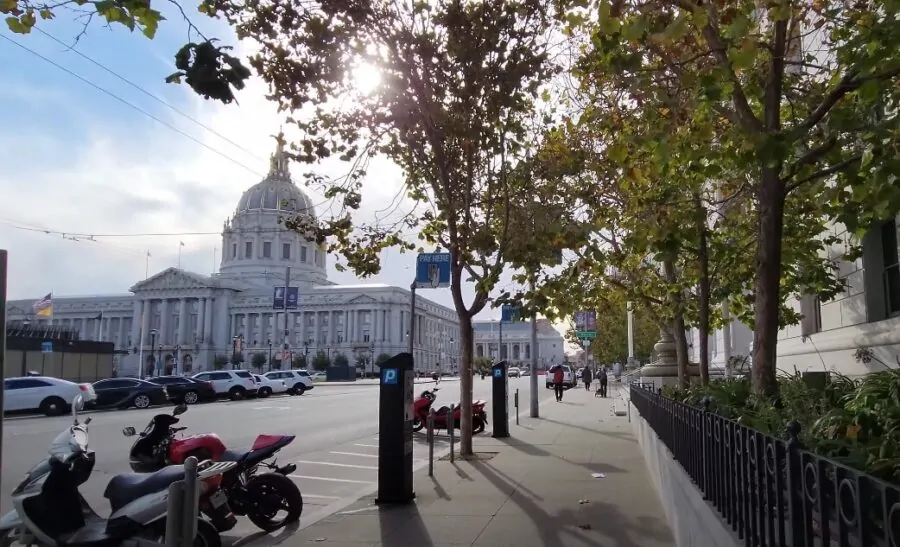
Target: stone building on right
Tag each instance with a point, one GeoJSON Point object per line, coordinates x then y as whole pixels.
{"type": "Point", "coordinates": [865, 316]}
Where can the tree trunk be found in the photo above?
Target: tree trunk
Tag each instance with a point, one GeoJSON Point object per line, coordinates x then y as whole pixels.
{"type": "Point", "coordinates": [768, 280]}
{"type": "Point", "coordinates": [703, 259]}
{"type": "Point", "coordinates": [677, 324]}
{"type": "Point", "coordinates": [467, 349]}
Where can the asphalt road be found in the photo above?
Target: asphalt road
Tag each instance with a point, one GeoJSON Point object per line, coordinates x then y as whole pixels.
{"type": "Point", "coordinates": [335, 450]}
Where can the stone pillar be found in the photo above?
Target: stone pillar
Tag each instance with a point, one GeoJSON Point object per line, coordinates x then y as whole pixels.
{"type": "Point", "coordinates": [200, 333]}
{"type": "Point", "coordinates": [208, 321]}
{"type": "Point", "coordinates": [316, 331]}
{"type": "Point", "coordinates": [377, 327]}
{"type": "Point", "coordinates": [121, 335]}
{"type": "Point", "coordinates": [247, 332]}
{"type": "Point", "coordinates": [329, 331]}
{"type": "Point", "coordinates": [664, 371]}
{"type": "Point", "coordinates": [145, 325]}
{"type": "Point", "coordinates": [183, 322]}
{"type": "Point", "coordinates": [164, 315]}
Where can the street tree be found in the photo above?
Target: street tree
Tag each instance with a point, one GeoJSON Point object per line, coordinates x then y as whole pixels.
{"type": "Point", "coordinates": [611, 344]}
{"type": "Point", "coordinates": [207, 67]}
{"type": "Point", "coordinates": [458, 86]}
{"type": "Point", "coordinates": [803, 96]}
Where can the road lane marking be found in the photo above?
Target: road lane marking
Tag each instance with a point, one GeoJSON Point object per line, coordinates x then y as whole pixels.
{"type": "Point", "coordinates": [366, 445]}
{"type": "Point", "coordinates": [315, 496]}
{"type": "Point", "coordinates": [375, 467]}
{"type": "Point", "coordinates": [329, 479]}
{"type": "Point", "coordinates": [357, 454]}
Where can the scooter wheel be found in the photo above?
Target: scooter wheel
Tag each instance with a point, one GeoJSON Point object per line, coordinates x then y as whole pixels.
{"type": "Point", "coordinates": [478, 424]}
{"type": "Point", "coordinates": [267, 495]}
{"type": "Point", "coordinates": [418, 424]}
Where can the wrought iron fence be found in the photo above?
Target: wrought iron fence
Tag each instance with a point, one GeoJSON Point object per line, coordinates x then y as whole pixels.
{"type": "Point", "coordinates": [772, 492]}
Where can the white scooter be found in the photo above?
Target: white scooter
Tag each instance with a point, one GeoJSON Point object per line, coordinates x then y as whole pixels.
{"type": "Point", "coordinates": [50, 511]}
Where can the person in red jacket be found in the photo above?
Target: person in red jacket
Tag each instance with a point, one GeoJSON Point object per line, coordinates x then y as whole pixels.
{"type": "Point", "coordinates": [558, 377]}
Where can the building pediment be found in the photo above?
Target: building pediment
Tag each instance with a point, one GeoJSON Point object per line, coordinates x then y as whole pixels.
{"type": "Point", "coordinates": [174, 279]}
{"type": "Point", "coordinates": [362, 299]}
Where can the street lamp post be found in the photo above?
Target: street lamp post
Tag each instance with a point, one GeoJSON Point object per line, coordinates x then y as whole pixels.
{"type": "Point", "coordinates": [236, 347]}
{"type": "Point", "coordinates": [152, 344]}
{"type": "Point", "coordinates": [177, 358]}
{"type": "Point", "coordinates": [270, 354]}
{"type": "Point", "coordinates": [159, 362]}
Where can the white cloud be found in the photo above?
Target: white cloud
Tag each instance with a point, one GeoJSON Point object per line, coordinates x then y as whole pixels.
{"type": "Point", "coordinates": [127, 175]}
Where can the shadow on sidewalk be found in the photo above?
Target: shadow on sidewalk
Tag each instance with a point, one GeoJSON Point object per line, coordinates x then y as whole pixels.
{"type": "Point", "coordinates": [550, 527]}
{"type": "Point", "coordinates": [614, 434]}
{"type": "Point", "coordinates": [412, 531]}
{"type": "Point", "coordinates": [532, 450]}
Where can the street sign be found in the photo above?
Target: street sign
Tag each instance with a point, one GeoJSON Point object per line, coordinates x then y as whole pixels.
{"type": "Point", "coordinates": [509, 314]}
{"type": "Point", "coordinates": [46, 347]}
{"type": "Point", "coordinates": [293, 298]}
{"type": "Point", "coordinates": [390, 376]}
{"type": "Point", "coordinates": [586, 324]}
{"type": "Point", "coordinates": [433, 270]}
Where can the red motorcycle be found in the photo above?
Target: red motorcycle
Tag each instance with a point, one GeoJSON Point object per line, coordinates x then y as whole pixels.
{"type": "Point", "coordinates": [259, 496]}
{"type": "Point", "coordinates": [423, 404]}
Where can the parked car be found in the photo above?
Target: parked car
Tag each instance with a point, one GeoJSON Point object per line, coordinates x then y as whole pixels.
{"type": "Point", "coordinates": [234, 384]}
{"type": "Point", "coordinates": [51, 396]}
{"type": "Point", "coordinates": [316, 376]}
{"type": "Point", "coordinates": [568, 377]}
{"type": "Point", "coordinates": [183, 389]}
{"type": "Point", "coordinates": [513, 372]}
{"type": "Point", "coordinates": [269, 386]}
{"type": "Point", "coordinates": [297, 381]}
{"type": "Point", "coordinates": [127, 392]}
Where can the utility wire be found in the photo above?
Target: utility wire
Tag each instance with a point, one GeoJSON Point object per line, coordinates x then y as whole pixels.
{"type": "Point", "coordinates": [132, 105]}
{"type": "Point", "coordinates": [145, 92]}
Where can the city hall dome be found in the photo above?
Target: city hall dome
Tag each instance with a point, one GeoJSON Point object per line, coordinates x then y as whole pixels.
{"type": "Point", "coordinates": [276, 192]}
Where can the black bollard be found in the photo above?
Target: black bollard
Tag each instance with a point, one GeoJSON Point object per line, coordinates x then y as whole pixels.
{"type": "Point", "coordinates": [395, 431]}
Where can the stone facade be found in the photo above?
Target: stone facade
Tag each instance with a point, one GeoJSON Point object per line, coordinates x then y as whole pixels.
{"type": "Point", "coordinates": [516, 344]}
{"type": "Point", "coordinates": [183, 320]}
{"type": "Point", "coordinates": [866, 315]}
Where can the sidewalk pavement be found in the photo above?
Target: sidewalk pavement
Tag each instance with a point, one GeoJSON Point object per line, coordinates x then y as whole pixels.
{"type": "Point", "coordinates": [376, 381]}
{"type": "Point", "coordinates": [573, 478]}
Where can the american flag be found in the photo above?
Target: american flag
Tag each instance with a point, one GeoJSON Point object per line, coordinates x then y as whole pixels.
{"type": "Point", "coordinates": [44, 306]}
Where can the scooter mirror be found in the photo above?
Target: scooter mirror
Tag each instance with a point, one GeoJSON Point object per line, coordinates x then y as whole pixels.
{"type": "Point", "coordinates": [77, 406]}
{"type": "Point", "coordinates": [129, 431]}
{"type": "Point", "coordinates": [180, 409]}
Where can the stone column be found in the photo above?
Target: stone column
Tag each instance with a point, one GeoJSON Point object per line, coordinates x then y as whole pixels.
{"type": "Point", "coordinates": [376, 325]}
{"type": "Point", "coordinates": [200, 333]}
{"type": "Point", "coordinates": [164, 315]}
{"type": "Point", "coordinates": [316, 331]}
{"type": "Point", "coordinates": [248, 318]}
{"type": "Point", "coordinates": [183, 321]}
{"type": "Point", "coordinates": [145, 325]}
{"type": "Point", "coordinates": [208, 321]}
{"type": "Point", "coordinates": [329, 331]}
{"type": "Point", "coordinates": [121, 334]}
{"type": "Point", "coordinates": [664, 371]}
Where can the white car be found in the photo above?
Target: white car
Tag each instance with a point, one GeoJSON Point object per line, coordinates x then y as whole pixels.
{"type": "Point", "coordinates": [234, 384]}
{"type": "Point", "coordinates": [568, 378]}
{"type": "Point", "coordinates": [51, 396]}
{"type": "Point", "coordinates": [297, 381]}
{"type": "Point", "coordinates": [317, 376]}
{"type": "Point", "coordinates": [269, 386]}
{"type": "Point", "coordinates": [513, 372]}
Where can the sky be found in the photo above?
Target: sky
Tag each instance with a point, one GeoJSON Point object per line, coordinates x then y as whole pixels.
{"type": "Point", "coordinates": [82, 151]}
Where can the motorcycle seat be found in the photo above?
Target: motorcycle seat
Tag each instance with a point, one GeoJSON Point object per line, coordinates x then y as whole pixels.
{"type": "Point", "coordinates": [264, 447]}
{"type": "Point", "coordinates": [127, 487]}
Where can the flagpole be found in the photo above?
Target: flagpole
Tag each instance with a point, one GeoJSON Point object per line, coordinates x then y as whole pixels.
{"type": "Point", "coordinates": [215, 250]}
{"type": "Point", "coordinates": [179, 255]}
{"type": "Point", "coordinates": [147, 266]}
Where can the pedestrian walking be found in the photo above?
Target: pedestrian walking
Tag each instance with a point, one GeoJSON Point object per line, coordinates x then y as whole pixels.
{"type": "Point", "coordinates": [558, 378]}
{"type": "Point", "coordinates": [604, 380]}
{"type": "Point", "coordinates": [587, 376]}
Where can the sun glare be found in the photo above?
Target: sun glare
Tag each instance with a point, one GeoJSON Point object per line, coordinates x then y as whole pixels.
{"type": "Point", "coordinates": [366, 78]}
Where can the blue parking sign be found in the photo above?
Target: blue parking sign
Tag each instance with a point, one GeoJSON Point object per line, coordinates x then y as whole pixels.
{"type": "Point", "coordinates": [390, 377]}
{"type": "Point", "coordinates": [498, 373]}
{"type": "Point", "coordinates": [46, 347]}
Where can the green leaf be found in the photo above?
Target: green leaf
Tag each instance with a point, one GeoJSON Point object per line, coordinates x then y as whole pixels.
{"type": "Point", "coordinates": [867, 157]}
{"type": "Point", "coordinates": [17, 26]}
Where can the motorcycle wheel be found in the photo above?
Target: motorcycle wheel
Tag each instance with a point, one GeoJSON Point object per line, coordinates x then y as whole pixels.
{"type": "Point", "coordinates": [418, 424]}
{"type": "Point", "coordinates": [269, 493]}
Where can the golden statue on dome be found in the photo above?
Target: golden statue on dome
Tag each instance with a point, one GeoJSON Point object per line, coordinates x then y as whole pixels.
{"type": "Point", "coordinates": [278, 162]}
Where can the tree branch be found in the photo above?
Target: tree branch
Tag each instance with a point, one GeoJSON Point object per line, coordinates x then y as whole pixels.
{"type": "Point", "coordinates": [836, 168]}
{"type": "Point", "coordinates": [811, 157]}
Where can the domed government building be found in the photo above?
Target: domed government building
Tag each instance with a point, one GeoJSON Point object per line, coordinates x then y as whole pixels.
{"type": "Point", "coordinates": [182, 322]}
